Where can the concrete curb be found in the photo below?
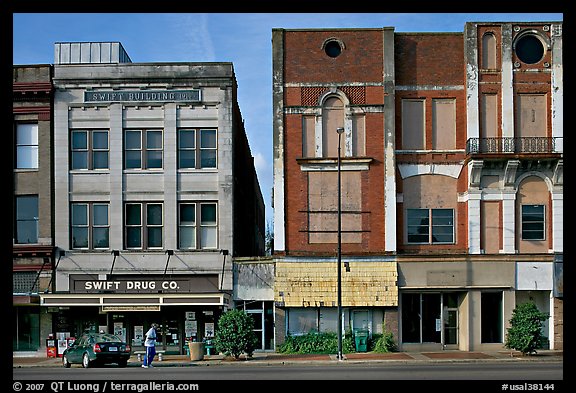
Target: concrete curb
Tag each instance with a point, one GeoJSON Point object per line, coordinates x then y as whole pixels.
{"type": "Point", "coordinates": [284, 360]}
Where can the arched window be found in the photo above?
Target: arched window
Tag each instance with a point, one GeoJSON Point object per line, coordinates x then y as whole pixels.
{"type": "Point", "coordinates": [489, 51]}
{"type": "Point", "coordinates": [332, 119]}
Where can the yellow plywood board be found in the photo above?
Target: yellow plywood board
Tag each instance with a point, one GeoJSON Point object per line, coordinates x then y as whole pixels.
{"type": "Point", "coordinates": [313, 284]}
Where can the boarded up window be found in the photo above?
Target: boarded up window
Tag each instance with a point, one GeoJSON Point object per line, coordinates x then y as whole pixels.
{"type": "Point", "coordinates": [323, 207]}
{"type": "Point", "coordinates": [413, 136]}
{"type": "Point", "coordinates": [531, 115]}
{"type": "Point", "coordinates": [490, 227]}
{"type": "Point", "coordinates": [489, 51]}
{"type": "Point", "coordinates": [332, 119]}
{"type": "Point", "coordinates": [489, 116]}
{"type": "Point", "coordinates": [443, 124]}
{"type": "Point", "coordinates": [358, 136]}
{"type": "Point", "coordinates": [308, 136]}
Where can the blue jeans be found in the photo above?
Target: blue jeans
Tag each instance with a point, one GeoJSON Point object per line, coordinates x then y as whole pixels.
{"type": "Point", "coordinates": [149, 356]}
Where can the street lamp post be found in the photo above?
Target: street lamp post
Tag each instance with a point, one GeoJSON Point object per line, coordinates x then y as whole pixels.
{"type": "Point", "coordinates": [339, 130]}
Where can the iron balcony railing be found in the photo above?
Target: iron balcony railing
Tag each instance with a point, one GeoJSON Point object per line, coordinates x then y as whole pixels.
{"type": "Point", "coordinates": [515, 145]}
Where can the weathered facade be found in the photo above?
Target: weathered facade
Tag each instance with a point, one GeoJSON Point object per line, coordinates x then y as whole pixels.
{"type": "Point", "coordinates": [33, 241]}
{"type": "Point", "coordinates": [451, 181]}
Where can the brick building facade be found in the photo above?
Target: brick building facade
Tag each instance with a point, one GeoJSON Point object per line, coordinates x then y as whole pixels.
{"type": "Point", "coordinates": [451, 181]}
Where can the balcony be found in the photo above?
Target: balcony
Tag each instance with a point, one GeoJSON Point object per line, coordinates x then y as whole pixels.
{"type": "Point", "coordinates": [514, 146]}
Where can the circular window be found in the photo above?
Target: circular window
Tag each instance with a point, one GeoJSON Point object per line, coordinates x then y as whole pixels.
{"type": "Point", "coordinates": [529, 49]}
{"type": "Point", "coordinates": [333, 48]}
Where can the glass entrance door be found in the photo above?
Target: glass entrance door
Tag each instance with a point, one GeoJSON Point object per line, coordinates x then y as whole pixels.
{"type": "Point", "coordinates": [450, 318]}
{"type": "Point", "coordinates": [258, 317]}
{"type": "Point", "coordinates": [169, 336]}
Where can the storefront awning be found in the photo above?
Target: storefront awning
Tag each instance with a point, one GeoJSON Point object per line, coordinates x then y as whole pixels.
{"type": "Point", "coordinates": [136, 300]}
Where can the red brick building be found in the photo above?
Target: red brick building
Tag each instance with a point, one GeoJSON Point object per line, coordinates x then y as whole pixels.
{"type": "Point", "coordinates": [451, 181]}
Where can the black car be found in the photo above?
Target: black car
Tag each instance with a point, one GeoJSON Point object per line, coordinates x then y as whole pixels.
{"type": "Point", "coordinates": [97, 349]}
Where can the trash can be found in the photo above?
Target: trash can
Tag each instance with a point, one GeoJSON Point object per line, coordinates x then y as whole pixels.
{"type": "Point", "coordinates": [196, 350]}
{"type": "Point", "coordinates": [361, 340]}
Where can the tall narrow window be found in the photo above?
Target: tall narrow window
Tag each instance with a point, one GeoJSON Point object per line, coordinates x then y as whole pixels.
{"type": "Point", "coordinates": [133, 230]}
{"type": "Point", "coordinates": [418, 224]}
{"type": "Point", "coordinates": [443, 124]}
{"type": "Point", "coordinates": [154, 147]}
{"type": "Point", "coordinates": [332, 119]}
{"type": "Point", "coordinates": [187, 226]}
{"type": "Point", "coordinates": [533, 222]}
{"type": "Point", "coordinates": [26, 219]}
{"type": "Point", "coordinates": [186, 148]}
{"type": "Point", "coordinates": [413, 130]}
{"type": "Point", "coordinates": [489, 51]}
{"type": "Point", "coordinates": [442, 226]}
{"type": "Point", "coordinates": [489, 116]}
{"type": "Point", "coordinates": [208, 224]}
{"type": "Point", "coordinates": [308, 136]}
{"type": "Point", "coordinates": [208, 148]}
{"type": "Point", "coordinates": [359, 135]}
{"type": "Point", "coordinates": [27, 146]}
{"type": "Point", "coordinates": [79, 224]}
{"type": "Point", "coordinates": [154, 225]}
{"type": "Point", "coordinates": [100, 225]}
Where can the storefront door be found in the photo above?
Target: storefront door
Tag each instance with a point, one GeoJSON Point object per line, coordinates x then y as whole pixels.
{"type": "Point", "coordinates": [258, 317]}
{"type": "Point", "coordinates": [450, 318]}
{"type": "Point", "coordinates": [169, 336]}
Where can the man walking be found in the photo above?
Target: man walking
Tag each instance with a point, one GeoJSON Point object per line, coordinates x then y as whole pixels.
{"type": "Point", "coordinates": [150, 345]}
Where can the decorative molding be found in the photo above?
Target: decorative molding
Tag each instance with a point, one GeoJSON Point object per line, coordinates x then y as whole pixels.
{"type": "Point", "coordinates": [510, 172]}
{"type": "Point", "coordinates": [451, 170]}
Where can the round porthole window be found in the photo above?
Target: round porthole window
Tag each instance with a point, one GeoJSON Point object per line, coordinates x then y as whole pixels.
{"type": "Point", "coordinates": [333, 48]}
{"type": "Point", "coordinates": [529, 49]}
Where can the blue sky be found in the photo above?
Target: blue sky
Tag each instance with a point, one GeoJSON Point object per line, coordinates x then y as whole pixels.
{"type": "Point", "coordinates": [245, 39]}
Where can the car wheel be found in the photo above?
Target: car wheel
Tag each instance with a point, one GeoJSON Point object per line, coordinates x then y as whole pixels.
{"type": "Point", "coordinates": [65, 361]}
{"type": "Point", "coordinates": [122, 363]}
{"type": "Point", "coordinates": [86, 363]}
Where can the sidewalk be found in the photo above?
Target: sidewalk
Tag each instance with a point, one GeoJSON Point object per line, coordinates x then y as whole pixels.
{"type": "Point", "coordinates": [272, 358]}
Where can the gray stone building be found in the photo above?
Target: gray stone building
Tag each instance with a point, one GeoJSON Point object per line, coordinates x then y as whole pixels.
{"type": "Point", "coordinates": [155, 194]}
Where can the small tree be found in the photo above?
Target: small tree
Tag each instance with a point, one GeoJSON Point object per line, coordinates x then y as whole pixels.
{"type": "Point", "coordinates": [269, 239]}
{"type": "Point", "coordinates": [525, 331]}
{"type": "Point", "coordinates": [235, 334]}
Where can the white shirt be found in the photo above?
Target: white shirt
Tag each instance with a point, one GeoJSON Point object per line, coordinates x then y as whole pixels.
{"type": "Point", "coordinates": [150, 338]}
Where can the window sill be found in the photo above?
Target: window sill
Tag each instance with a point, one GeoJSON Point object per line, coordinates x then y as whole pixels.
{"type": "Point", "coordinates": [331, 164]}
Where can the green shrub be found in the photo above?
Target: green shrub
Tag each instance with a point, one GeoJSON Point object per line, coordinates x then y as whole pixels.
{"type": "Point", "coordinates": [382, 343]}
{"type": "Point", "coordinates": [235, 334]}
{"type": "Point", "coordinates": [317, 342]}
{"type": "Point", "coordinates": [525, 331]}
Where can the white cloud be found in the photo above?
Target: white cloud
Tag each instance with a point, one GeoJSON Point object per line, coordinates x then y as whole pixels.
{"type": "Point", "coordinates": [260, 162]}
